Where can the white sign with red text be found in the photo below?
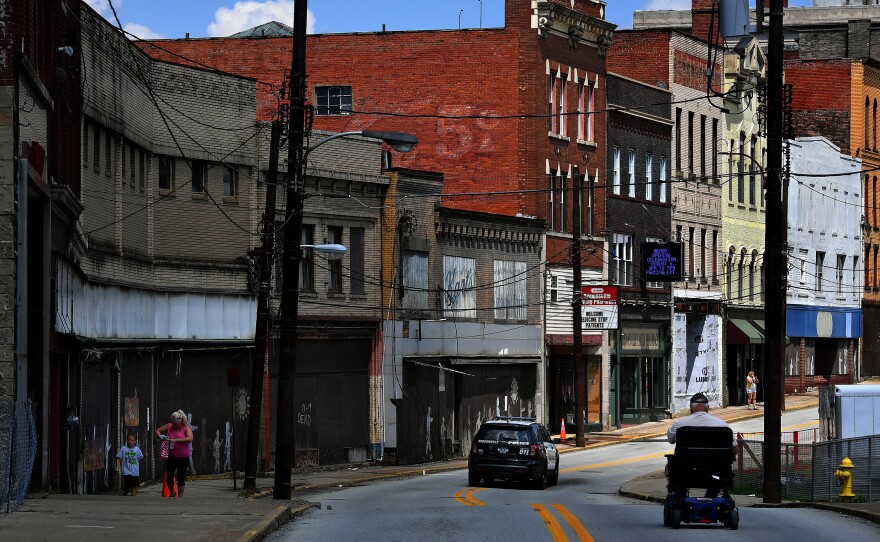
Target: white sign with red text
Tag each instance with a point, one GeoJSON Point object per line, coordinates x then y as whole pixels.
{"type": "Point", "coordinates": [599, 307]}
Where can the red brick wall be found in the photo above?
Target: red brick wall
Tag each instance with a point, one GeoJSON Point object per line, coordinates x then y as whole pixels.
{"type": "Point", "coordinates": [821, 100]}
{"type": "Point", "coordinates": [485, 73]}
{"type": "Point", "coordinates": [642, 55]}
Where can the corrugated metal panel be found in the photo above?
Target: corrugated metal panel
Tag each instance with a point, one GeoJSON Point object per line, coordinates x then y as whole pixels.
{"type": "Point", "coordinates": [114, 312]}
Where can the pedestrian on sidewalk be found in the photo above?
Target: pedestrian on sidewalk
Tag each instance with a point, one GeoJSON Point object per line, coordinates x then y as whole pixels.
{"type": "Point", "coordinates": [751, 390]}
{"type": "Point", "coordinates": [128, 463]}
{"type": "Point", "coordinates": [179, 436]}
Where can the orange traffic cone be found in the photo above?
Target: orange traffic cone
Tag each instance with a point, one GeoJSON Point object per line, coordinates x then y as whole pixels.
{"type": "Point", "coordinates": [169, 490]}
{"type": "Point", "coordinates": [562, 435]}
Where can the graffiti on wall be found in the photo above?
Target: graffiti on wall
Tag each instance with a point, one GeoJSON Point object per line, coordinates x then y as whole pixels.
{"type": "Point", "coordinates": [696, 358]}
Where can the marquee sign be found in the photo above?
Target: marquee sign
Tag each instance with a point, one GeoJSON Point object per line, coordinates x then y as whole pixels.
{"type": "Point", "coordinates": [599, 307]}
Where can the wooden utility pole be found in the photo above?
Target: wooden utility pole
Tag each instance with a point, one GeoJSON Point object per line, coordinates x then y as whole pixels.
{"type": "Point", "coordinates": [577, 357]}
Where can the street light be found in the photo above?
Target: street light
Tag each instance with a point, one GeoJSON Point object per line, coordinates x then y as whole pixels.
{"type": "Point", "coordinates": [332, 250]}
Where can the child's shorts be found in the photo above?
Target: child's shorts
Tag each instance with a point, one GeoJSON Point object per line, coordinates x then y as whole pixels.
{"type": "Point", "coordinates": [131, 481]}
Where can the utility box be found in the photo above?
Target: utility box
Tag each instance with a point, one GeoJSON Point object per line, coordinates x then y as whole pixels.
{"type": "Point", "coordinates": [856, 411]}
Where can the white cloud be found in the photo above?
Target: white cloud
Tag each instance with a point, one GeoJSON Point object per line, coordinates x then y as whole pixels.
{"type": "Point", "coordinates": [668, 4]}
{"type": "Point", "coordinates": [250, 13]}
{"type": "Point", "coordinates": [103, 6]}
{"type": "Point", "coordinates": [142, 32]}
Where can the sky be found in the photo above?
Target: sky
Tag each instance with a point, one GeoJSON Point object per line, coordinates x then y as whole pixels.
{"type": "Point", "coordinates": [208, 18]}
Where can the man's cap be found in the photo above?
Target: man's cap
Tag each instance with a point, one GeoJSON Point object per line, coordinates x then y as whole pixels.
{"type": "Point", "coordinates": [699, 399]}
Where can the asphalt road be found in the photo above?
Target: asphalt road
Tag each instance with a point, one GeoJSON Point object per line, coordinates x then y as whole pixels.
{"type": "Point", "coordinates": [584, 506]}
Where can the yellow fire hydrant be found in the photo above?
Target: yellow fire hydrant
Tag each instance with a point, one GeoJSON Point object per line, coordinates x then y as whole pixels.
{"type": "Point", "coordinates": [844, 478]}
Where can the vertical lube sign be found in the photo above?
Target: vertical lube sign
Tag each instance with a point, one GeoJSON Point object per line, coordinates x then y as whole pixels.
{"type": "Point", "coordinates": [599, 307]}
{"type": "Point", "coordinates": [696, 358]}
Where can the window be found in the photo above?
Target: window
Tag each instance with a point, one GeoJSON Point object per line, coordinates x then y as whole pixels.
{"type": "Point", "coordinates": [841, 261]}
{"type": "Point", "coordinates": [654, 240]}
{"type": "Point", "coordinates": [714, 273]}
{"type": "Point", "coordinates": [585, 111]}
{"type": "Point", "coordinates": [123, 173]}
{"type": "Point", "coordinates": [662, 179]}
{"type": "Point", "coordinates": [552, 104]}
{"type": "Point", "coordinates": [730, 274]}
{"type": "Point", "coordinates": [867, 122]}
{"type": "Point", "coordinates": [230, 182]}
{"type": "Point", "coordinates": [459, 296]}
{"type": "Point", "coordinates": [96, 148]}
{"type": "Point", "coordinates": [730, 171]}
{"type": "Point", "coordinates": [510, 290]}
{"type": "Point", "coordinates": [142, 168]}
{"type": "Point", "coordinates": [715, 150]}
{"type": "Point", "coordinates": [591, 110]}
{"type": "Point", "coordinates": [632, 173]}
{"type": "Point", "coordinates": [333, 100]}
{"type": "Point", "coordinates": [691, 143]}
{"type": "Point", "coordinates": [703, 252]}
{"type": "Point", "coordinates": [108, 155]}
{"type": "Point", "coordinates": [649, 187]}
{"type": "Point", "coordinates": [740, 169]}
{"type": "Point", "coordinates": [691, 265]}
{"type": "Point", "coordinates": [820, 266]}
{"type": "Point", "coordinates": [553, 288]}
{"type": "Point", "coordinates": [703, 147]}
{"type": "Point", "coordinates": [562, 105]}
{"type": "Point", "coordinates": [753, 268]}
{"type": "Point", "coordinates": [166, 173]}
{"type": "Point", "coordinates": [616, 186]}
{"type": "Point", "coordinates": [763, 284]}
{"type": "Point", "coordinates": [334, 267]}
{"type": "Point", "coordinates": [678, 140]}
{"type": "Point", "coordinates": [741, 282]}
{"type": "Point", "coordinates": [561, 199]}
{"type": "Point", "coordinates": [307, 259]}
{"type": "Point", "coordinates": [552, 217]}
{"type": "Point", "coordinates": [622, 251]}
{"type": "Point", "coordinates": [356, 252]}
{"type": "Point", "coordinates": [752, 162]}
{"type": "Point", "coordinates": [131, 154]}
{"type": "Point", "coordinates": [415, 280]}
{"type": "Point", "coordinates": [199, 176]}
{"type": "Point", "coordinates": [855, 277]}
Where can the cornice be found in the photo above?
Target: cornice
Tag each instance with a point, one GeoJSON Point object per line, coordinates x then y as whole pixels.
{"type": "Point", "coordinates": [549, 18]}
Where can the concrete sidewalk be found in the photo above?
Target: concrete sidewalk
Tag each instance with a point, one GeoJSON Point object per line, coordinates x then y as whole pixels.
{"type": "Point", "coordinates": [212, 510]}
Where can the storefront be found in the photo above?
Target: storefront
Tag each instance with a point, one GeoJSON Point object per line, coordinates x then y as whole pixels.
{"type": "Point", "coordinates": [822, 345]}
{"type": "Point", "coordinates": [744, 352]}
{"type": "Point", "coordinates": [639, 376]}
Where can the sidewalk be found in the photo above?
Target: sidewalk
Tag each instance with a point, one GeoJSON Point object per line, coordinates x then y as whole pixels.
{"type": "Point", "coordinates": [211, 509]}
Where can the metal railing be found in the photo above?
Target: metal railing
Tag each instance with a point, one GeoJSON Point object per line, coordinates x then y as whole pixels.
{"type": "Point", "coordinates": [18, 449]}
{"type": "Point", "coordinates": [808, 468]}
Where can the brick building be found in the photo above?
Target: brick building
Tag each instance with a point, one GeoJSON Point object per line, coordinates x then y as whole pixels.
{"type": "Point", "coordinates": [676, 61]}
{"type": "Point", "coordinates": [508, 121]}
{"type": "Point", "coordinates": [639, 147]}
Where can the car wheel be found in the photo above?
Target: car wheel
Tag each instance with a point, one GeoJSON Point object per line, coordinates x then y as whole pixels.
{"type": "Point", "coordinates": [675, 518]}
{"type": "Point", "coordinates": [473, 479]}
{"type": "Point", "coordinates": [541, 481]}
{"type": "Point", "coordinates": [667, 516]}
{"type": "Point", "coordinates": [553, 479]}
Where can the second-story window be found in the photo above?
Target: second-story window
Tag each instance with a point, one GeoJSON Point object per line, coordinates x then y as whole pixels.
{"type": "Point", "coordinates": [841, 262]}
{"type": "Point", "coordinates": [199, 176]}
{"type": "Point", "coordinates": [553, 102]}
{"type": "Point", "coordinates": [306, 260]}
{"type": "Point", "coordinates": [632, 173]}
{"type": "Point", "coordinates": [459, 296]}
{"type": "Point", "coordinates": [662, 179]}
{"type": "Point", "coordinates": [649, 181]}
{"type": "Point", "coordinates": [334, 267]}
{"type": "Point", "coordinates": [552, 219]}
{"type": "Point", "coordinates": [230, 181]}
{"type": "Point", "coordinates": [415, 280]}
{"type": "Point", "coordinates": [820, 268]}
{"type": "Point", "coordinates": [333, 100]}
{"type": "Point", "coordinates": [510, 290]}
{"type": "Point", "coordinates": [616, 179]}
{"type": "Point", "coordinates": [166, 173]}
{"type": "Point", "coordinates": [356, 261]}
{"type": "Point", "coordinates": [622, 250]}
{"type": "Point", "coordinates": [553, 288]}
{"type": "Point", "coordinates": [562, 106]}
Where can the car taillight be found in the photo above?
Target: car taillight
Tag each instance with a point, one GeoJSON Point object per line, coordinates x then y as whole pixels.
{"type": "Point", "coordinates": [474, 447]}
{"type": "Point", "coordinates": [534, 449]}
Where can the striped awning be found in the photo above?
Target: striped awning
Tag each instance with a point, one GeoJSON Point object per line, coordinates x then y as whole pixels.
{"type": "Point", "coordinates": [741, 331]}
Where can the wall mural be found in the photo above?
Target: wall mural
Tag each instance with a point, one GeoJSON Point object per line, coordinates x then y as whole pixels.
{"type": "Point", "coordinates": [696, 358]}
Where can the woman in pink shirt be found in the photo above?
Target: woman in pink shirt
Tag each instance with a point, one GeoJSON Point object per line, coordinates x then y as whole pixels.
{"type": "Point", "coordinates": [179, 435]}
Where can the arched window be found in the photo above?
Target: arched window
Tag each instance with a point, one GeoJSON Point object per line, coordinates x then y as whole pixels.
{"type": "Point", "coordinates": [753, 269]}
{"type": "Point", "coordinates": [741, 269]}
{"type": "Point", "coordinates": [867, 123]}
{"type": "Point", "coordinates": [730, 273]}
{"type": "Point", "coordinates": [874, 127]}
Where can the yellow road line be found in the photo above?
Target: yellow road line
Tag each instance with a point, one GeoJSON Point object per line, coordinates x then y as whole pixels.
{"type": "Point", "coordinates": [466, 496]}
{"type": "Point", "coordinates": [617, 462]}
{"type": "Point", "coordinates": [581, 531]}
{"type": "Point", "coordinates": [801, 425]}
{"type": "Point", "coordinates": [550, 522]}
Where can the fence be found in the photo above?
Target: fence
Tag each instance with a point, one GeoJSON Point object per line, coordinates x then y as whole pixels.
{"type": "Point", "coordinates": [18, 449]}
{"type": "Point", "coordinates": [808, 468]}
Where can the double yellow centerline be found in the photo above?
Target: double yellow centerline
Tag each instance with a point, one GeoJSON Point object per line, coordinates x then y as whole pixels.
{"type": "Point", "coordinates": [555, 526]}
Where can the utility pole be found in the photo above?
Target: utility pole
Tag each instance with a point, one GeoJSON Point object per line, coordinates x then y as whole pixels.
{"type": "Point", "coordinates": [776, 239]}
{"type": "Point", "coordinates": [285, 442]}
{"type": "Point", "coordinates": [576, 301]}
{"type": "Point", "coordinates": [260, 363]}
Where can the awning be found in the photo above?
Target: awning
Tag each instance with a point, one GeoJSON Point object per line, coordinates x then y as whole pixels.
{"type": "Point", "coordinates": [740, 331]}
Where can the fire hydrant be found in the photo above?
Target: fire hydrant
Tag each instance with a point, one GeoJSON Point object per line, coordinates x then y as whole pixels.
{"type": "Point", "coordinates": [844, 478]}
